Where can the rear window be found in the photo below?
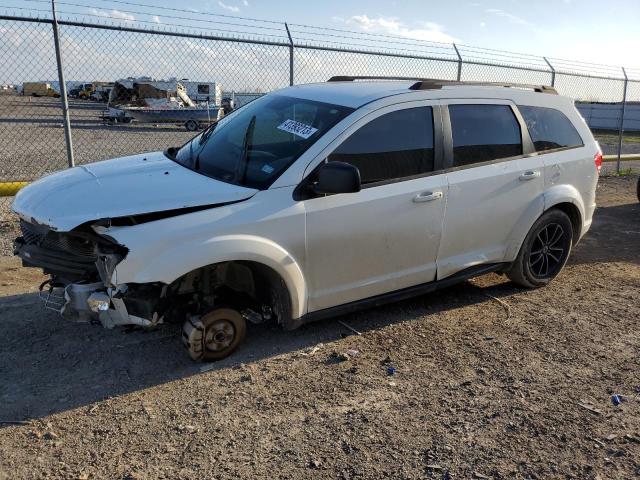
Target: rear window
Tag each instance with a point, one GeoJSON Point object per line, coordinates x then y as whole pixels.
{"type": "Point", "coordinates": [549, 128]}
{"type": "Point", "coordinates": [483, 132]}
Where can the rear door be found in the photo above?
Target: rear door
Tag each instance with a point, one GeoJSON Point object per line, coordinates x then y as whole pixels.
{"type": "Point", "coordinates": [560, 145]}
{"type": "Point", "coordinates": [495, 183]}
{"type": "Point", "coordinates": [385, 237]}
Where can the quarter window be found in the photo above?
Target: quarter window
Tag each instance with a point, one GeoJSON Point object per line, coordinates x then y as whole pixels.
{"type": "Point", "coordinates": [395, 145]}
{"type": "Point", "coordinates": [483, 132]}
{"type": "Point", "coordinates": [549, 128]}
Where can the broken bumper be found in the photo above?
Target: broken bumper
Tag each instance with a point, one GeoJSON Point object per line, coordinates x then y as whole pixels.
{"type": "Point", "coordinates": [91, 302]}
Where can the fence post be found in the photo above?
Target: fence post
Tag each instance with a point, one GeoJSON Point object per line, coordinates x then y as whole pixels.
{"type": "Point", "coordinates": [290, 54]}
{"type": "Point", "coordinates": [63, 89]}
{"type": "Point", "coordinates": [621, 125]}
{"type": "Point", "coordinates": [455, 47]}
{"type": "Point", "coordinates": [553, 72]}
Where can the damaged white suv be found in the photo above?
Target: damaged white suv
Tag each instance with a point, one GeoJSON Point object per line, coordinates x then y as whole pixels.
{"type": "Point", "coordinates": [313, 201]}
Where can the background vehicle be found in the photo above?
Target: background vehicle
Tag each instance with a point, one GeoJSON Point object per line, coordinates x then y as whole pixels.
{"type": "Point", "coordinates": [318, 200]}
{"type": "Point", "coordinates": [38, 89]}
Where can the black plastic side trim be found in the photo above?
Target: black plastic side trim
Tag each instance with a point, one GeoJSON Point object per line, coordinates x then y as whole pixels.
{"type": "Point", "coordinates": [527, 145]}
{"type": "Point", "coordinates": [395, 296]}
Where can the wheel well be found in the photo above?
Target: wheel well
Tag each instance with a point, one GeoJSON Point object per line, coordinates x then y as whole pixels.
{"type": "Point", "coordinates": [574, 215]}
{"type": "Point", "coordinates": [239, 284]}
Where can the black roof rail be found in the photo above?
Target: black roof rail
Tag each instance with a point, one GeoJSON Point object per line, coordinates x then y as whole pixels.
{"type": "Point", "coordinates": [435, 84]}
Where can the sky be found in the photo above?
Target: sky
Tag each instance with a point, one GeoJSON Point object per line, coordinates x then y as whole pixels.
{"type": "Point", "coordinates": [588, 30]}
{"type": "Point", "coordinates": [576, 30]}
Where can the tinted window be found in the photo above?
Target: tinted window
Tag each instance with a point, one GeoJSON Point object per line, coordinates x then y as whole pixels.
{"type": "Point", "coordinates": [483, 132]}
{"type": "Point", "coordinates": [395, 145]}
{"type": "Point", "coordinates": [549, 128]}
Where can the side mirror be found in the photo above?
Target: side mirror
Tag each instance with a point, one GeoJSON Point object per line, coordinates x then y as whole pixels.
{"type": "Point", "coordinates": [337, 177]}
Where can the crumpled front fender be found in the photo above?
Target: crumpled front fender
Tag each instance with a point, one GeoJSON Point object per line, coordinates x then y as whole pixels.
{"type": "Point", "coordinates": [184, 258]}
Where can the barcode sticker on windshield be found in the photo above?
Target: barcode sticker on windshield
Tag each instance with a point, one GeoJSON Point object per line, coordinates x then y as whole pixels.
{"type": "Point", "coordinates": [297, 128]}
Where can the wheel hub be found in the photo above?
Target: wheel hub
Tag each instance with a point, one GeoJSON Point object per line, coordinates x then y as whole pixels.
{"type": "Point", "coordinates": [548, 250]}
{"type": "Point", "coordinates": [214, 335]}
{"type": "Point", "coordinates": [219, 335]}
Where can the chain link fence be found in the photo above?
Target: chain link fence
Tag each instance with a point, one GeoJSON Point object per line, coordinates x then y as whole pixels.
{"type": "Point", "coordinates": [97, 58]}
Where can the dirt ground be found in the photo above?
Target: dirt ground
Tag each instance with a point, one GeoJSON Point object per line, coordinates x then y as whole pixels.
{"type": "Point", "coordinates": [490, 381]}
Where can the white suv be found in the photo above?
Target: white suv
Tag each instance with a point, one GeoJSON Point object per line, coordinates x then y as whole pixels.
{"type": "Point", "coordinates": [314, 201]}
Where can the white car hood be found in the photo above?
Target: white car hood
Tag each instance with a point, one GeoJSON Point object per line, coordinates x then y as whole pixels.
{"type": "Point", "coordinates": [120, 187]}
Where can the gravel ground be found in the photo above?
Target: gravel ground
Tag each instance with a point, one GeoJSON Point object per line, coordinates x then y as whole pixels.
{"type": "Point", "coordinates": [39, 121]}
{"type": "Point", "coordinates": [491, 381]}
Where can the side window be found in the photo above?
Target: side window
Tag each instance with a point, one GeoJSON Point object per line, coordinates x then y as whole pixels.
{"type": "Point", "coordinates": [395, 145]}
{"type": "Point", "coordinates": [549, 128]}
{"type": "Point", "coordinates": [483, 132]}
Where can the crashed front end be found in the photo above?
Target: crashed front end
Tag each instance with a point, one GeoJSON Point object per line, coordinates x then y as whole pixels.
{"type": "Point", "coordinates": [81, 264]}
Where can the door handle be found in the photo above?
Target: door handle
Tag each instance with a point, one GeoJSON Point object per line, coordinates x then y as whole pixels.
{"type": "Point", "coordinates": [530, 175]}
{"type": "Point", "coordinates": [427, 197]}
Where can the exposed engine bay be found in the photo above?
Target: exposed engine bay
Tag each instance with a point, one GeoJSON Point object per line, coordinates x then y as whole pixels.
{"type": "Point", "coordinates": [81, 287]}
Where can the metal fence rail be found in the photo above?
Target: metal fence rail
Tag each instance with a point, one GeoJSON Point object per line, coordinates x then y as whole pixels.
{"type": "Point", "coordinates": [43, 131]}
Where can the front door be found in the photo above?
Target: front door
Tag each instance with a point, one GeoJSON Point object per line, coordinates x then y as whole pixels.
{"type": "Point", "coordinates": [386, 236]}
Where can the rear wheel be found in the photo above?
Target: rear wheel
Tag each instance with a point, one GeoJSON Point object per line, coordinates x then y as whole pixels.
{"type": "Point", "coordinates": [215, 335]}
{"type": "Point", "coordinates": [544, 252]}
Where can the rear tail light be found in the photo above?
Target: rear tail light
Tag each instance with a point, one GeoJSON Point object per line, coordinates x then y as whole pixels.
{"type": "Point", "coordinates": [598, 160]}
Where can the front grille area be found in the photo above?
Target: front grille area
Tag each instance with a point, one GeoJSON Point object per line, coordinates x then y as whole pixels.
{"type": "Point", "coordinates": [32, 234]}
{"type": "Point", "coordinates": [69, 257]}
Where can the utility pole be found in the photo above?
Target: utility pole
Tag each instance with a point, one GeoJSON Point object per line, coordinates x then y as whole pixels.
{"type": "Point", "coordinates": [63, 89]}
{"type": "Point", "coordinates": [290, 54]}
{"type": "Point", "coordinates": [621, 124]}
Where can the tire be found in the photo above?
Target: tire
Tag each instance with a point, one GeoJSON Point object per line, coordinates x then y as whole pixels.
{"type": "Point", "coordinates": [638, 189]}
{"type": "Point", "coordinates": [544, 252]}
{"type": "Point", "coordinates": [191, 125]}
{"type": "Point", "coordinates": [215, 335]}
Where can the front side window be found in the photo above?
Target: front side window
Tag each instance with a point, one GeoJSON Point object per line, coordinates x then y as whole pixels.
{"type": "Point", "coordinates": [395, 145]}
{"type": "Point", "coordinates": [549, 128]}
{"type": "Point", "coordinates": [255, 144]}
{"type": "Point", "coordinates": [483, 132]}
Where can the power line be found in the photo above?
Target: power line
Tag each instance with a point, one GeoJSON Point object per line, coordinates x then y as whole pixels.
{"type": "Point", "coordinates": [103, 17]}
{"type": "Point", "coordinates": [176, 17]}
{"type": "Point", "coordinates": [447, 47]}
{"type": "Point", "coordinates": [475, 52]}
{"type": "Point", "coordinates": [124, 2]}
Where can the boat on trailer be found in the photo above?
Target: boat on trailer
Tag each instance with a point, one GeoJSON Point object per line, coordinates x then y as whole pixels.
{"type": "Point", "coordinates": [191, 117]}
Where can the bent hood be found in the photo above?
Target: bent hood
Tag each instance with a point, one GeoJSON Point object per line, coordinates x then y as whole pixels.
{"type": "Point", "coordinates": [134, 185]}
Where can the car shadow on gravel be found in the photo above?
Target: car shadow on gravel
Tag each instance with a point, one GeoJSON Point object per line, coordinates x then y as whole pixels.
{"type": "Point", "coordinates": [49, 365]}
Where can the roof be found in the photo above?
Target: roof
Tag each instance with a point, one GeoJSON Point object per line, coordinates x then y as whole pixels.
{"type": "Point", "coordinates": [358, 93]}
{"type": "Point", "coordinates": [348, 94]}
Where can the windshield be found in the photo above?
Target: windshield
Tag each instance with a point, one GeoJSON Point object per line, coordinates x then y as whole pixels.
{"type": "Point", "coordinates": [256, 143]}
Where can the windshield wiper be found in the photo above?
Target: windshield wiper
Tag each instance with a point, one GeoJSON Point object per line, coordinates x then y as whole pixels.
{"type": "Point", "coordinates": [203, 139]}
{"type": "Point", "coordinates": [243, 164]}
